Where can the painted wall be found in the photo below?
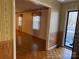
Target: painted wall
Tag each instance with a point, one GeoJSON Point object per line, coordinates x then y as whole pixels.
{"type": "Point", "coordinates": [27, 25]}
{"type": "Point", "coordinates": [6, 29]}
{"type": "Point", "coordinates": [53, 22]}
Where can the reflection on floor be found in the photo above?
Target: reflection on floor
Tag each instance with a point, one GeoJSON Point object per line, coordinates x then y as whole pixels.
{"type": "Point", "coordinates": [30, 47]}
{"type": "Point", "coordinates": [27, 42]}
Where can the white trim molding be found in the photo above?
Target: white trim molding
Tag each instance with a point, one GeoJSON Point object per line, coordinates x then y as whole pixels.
{"type": "Point", "coordinates": [52, 47]}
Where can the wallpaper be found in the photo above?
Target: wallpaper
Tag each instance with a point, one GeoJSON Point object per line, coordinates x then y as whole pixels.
{"type": "Point", "coordinates": [6, 24]}
{"type": "Point", "coordinates": [6, 20]}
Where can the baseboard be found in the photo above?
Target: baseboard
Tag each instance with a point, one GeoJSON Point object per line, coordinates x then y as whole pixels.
{"type": "Point", "coordinates": [52, 47]}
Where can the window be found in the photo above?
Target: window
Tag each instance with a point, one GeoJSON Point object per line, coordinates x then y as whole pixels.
{"type": "Point", "coordinates": [20, 21]}
{"type": "Point", "coordinates": [36, 22]}
{"type": "Point", "coordinates": [70, 28]}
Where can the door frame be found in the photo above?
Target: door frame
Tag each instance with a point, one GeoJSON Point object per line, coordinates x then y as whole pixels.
{"type": "Point", "coordinates": [67, 26]}
{"type": "Point", "coordinates": [14, 26]}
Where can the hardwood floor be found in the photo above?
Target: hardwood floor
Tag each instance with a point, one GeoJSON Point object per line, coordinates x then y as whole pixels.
{"type": "Point", "coordinates": [58, 53]}
{"type": "Point", "coordinates": [27, 42]}
{"type": "Point", "coordinates": [30, 47]}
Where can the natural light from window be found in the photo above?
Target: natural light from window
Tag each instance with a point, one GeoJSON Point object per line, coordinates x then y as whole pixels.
{"type": "Point", "coordinates": [36, 22]}
{"type": "Point", "coordinates": [20, 21]}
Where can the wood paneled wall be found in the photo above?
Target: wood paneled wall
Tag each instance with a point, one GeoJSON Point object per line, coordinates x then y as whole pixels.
{"type": "Point", "coordinates": [56, 39]}
{"type": "Point", "coordinates": [6, 26]}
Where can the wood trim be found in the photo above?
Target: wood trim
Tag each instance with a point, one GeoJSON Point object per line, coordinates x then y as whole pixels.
{"type": "Point", "coordinates": [50, 48]}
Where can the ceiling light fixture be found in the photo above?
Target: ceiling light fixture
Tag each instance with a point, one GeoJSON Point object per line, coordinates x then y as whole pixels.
{"type": "Point", "coordinates": [61, 0]}
{"type": "Point", "coordinates": [40, 3]}
{"type": "Point", "coordinates": [35, 1]}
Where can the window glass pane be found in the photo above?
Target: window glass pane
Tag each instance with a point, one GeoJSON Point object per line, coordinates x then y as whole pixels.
{"type": "Point", "coordinates": [72, 19]}
{"type": "Point", "coordinates": [36, 22]}
{"type": "Point", "coordinates": [20, 21]}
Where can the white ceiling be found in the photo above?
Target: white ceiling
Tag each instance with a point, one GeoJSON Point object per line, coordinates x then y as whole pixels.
{"type": "Point", "coordinates": [65, 1]}
{"type": "Point", "coordinates": [25, 5]}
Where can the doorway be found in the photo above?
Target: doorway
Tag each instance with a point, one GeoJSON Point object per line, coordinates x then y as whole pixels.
{"type": "Point", "coordinates": [31, 27]}
{"type": "Point", "coordinates": [70, 28]}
